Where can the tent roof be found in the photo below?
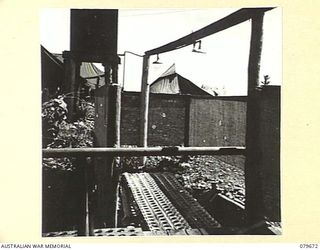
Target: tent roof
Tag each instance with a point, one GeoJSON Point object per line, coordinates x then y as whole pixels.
{"type": "Point", "coordinates": [172, 82]}
{"type": "Point", "coordinates": [170, 71]}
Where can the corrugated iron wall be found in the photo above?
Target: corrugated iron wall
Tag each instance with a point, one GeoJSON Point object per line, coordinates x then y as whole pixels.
{"type": "Point", "coordinates": [218, 122]}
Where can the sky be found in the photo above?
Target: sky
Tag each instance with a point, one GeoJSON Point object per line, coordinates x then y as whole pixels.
{"type": "Point", "coordinates": [222, 67]}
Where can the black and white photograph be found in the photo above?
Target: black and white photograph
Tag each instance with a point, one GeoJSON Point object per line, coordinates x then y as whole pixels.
{"type": "Point", "coordinates": [161, 122]}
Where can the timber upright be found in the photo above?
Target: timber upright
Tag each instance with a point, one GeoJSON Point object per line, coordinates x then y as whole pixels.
{"type": "Point", "coordinates": [94, 39]}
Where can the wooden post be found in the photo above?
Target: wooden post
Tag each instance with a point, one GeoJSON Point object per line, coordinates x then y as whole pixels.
{"type": "Point", "coordinates": [90, 184]}
{"type": "Point", "coordinates": [94, 36]}
{"type": "Point", "coordinates": [114, 108]}
{"type": "Point", "coordinates": [111, 114]}
{"type": "Point", "coordinates": [118, 116]}
{"type": "Point", "coordinates": [103, 169]}
{"type": "Point", "coordinates": [100, 169]}
{"type": "Point", "coordinates": [85, 182]}
{"type": "Point", "coordinates": [71, 85]}
{"type": "Point", "coordinates": [111, 76]}
{"type": "Point", "coordinates": [254, 202]}
{"type": "Point", "coordinates": [83, 219]}
{"type": "Point", "coordinates": [144, 105]}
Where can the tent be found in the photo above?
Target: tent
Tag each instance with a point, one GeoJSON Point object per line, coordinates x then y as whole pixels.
{"type": "Point", "coordinates": [52, 75]}
{"type": "Point", "coordinates": [92, 74]}
{"type": "Point", "coordinates": [170, 82]}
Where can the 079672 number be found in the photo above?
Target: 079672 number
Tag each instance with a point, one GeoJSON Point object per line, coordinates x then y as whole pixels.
{"type": "Point", "coordinates": [308, 245]}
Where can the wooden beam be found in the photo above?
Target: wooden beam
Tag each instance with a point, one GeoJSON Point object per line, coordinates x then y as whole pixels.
{"type": "Point", "coordinates": [254, 202]}
{"type": "Point", "coordinates": [222, 24]}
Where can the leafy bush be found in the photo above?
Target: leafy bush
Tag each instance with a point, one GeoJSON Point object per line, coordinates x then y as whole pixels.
{"type": "Point", "coordinates": [54, 112]}
{"type": "Point", "coordinates": [58, 132]}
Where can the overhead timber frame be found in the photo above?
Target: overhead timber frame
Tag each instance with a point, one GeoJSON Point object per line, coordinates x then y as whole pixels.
{"type": "Point", "coordinates": [254, 207]}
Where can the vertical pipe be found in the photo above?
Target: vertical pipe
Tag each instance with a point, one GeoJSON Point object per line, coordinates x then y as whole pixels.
{"type": "Point", "coordinates": [144, 105]}
{"type": "Point", "coordinates": [124, 69]}
{"type": "Point", "coordinates": [254, 201]}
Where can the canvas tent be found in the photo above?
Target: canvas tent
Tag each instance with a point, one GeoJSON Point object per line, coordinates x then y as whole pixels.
{"type": "Point", "coordinates": [92, 74]}
{"type": "Point", "coordinates": [170, 82]}
{"type": "Point", "coordinates": [53, 72]}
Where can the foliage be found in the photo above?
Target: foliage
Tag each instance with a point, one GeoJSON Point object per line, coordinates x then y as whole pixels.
{"type": "Point", "coordinates": [58, 132]}
{"type": "Point", "coordinates": [266, 79]}
{"type": "Point", "coordinates": [54, 112]}
{"type": "Point", "coordinates": [75, 135]}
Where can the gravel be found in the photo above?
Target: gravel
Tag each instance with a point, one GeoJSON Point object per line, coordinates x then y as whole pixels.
{"type": "Point", "coordinates": [197, 174]}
